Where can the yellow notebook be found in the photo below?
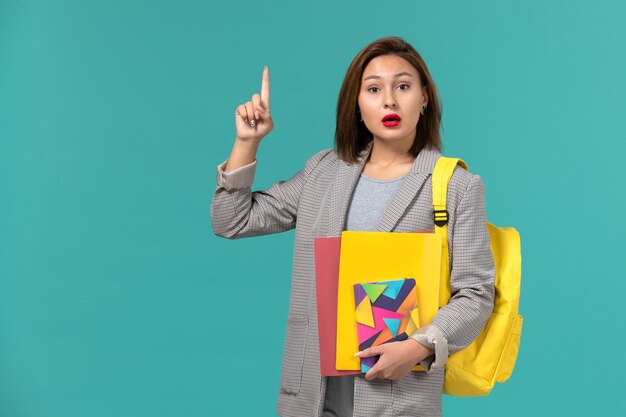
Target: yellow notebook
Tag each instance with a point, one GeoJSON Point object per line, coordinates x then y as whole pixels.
{"type": "Point", "coordinates": [380, 256]}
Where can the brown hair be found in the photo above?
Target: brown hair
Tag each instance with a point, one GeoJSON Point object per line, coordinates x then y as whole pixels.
{"type": "Point", "coordinates": [351, 135]}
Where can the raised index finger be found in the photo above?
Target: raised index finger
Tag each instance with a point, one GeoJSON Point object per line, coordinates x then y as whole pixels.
{"type": "Point", "coordinates": [265, 88]}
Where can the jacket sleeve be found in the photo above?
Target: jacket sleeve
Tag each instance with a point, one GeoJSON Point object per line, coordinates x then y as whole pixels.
{"type": "Point", "coordinates": [237, 211]}
{"type": "Point", "coordinates": [472, 276]}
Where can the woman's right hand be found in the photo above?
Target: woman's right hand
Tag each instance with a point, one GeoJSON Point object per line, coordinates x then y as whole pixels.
{"type": "Point", "coordinates": [257, 110]}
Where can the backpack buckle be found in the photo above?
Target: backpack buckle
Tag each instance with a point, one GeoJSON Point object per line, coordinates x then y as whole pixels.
{"type": "Point", "coordinates": [441, 217]}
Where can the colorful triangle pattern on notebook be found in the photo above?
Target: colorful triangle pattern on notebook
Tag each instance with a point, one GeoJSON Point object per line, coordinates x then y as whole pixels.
{"type": "Point", "coordinates": [386, 312]}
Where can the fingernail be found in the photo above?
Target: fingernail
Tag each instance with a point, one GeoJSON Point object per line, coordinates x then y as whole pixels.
{"type": "Point", "coordinates": [358, 353]}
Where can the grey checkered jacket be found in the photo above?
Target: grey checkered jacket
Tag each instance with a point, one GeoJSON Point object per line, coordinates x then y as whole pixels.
{"type": "Point", "coordinates": [314, 202]}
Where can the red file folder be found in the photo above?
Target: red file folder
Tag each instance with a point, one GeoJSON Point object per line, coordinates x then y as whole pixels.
{"type": "Point", "coordinates": [327, 250]}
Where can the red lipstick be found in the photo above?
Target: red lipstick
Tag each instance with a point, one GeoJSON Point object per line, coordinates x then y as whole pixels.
{"type": "Point", "coordinates": [391, 120]}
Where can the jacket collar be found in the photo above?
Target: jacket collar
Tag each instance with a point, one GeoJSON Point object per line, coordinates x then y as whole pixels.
{"type": "Point", "coordinates": [348, 176]}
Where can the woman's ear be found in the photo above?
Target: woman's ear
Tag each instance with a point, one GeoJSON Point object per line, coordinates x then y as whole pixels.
{"type": "Point", "coordinates": [425, 94]}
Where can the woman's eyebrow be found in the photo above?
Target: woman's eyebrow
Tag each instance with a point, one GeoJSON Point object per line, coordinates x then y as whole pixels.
{"type": "Point", "coordinates": [395, 76]}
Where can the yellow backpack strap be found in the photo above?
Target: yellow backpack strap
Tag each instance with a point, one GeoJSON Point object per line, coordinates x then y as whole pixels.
{"type": "Point", "coordinates": [441, 178]}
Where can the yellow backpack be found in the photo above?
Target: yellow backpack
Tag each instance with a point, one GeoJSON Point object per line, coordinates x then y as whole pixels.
{"type": "Point", "coordinates": [474, 370]}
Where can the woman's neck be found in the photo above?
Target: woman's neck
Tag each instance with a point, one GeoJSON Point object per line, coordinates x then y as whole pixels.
{"type": "Point", "coordinates": [388, 162]}
{"type": "Point", "coordinates": [385, 154]}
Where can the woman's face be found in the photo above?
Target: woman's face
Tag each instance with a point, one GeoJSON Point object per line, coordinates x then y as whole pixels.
{"type": "Point", "coordinates": [391, 85]}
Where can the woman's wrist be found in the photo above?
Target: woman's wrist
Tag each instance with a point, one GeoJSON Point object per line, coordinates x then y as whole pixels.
{"type": "Point", "coordinates": [420, 351]}
{"type": "Point", "coordinates": [243, 153]}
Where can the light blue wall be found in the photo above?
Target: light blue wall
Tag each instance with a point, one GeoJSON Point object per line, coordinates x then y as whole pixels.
{"type": "Point", "coordinates": [114, 114]}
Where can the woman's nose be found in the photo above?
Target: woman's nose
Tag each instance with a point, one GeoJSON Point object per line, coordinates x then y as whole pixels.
{"type": "Point", "coordinates": [390, 101]}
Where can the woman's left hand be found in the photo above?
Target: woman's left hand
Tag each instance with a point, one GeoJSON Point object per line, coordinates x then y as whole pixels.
{"type": "Point", "coordinates": [396, 358]}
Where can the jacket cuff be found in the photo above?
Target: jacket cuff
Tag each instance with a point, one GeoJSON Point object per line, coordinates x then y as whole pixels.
{"type": "Point", "coordinates": [242, 177]}
{"type": "Point", "coordinates": [431, 337]}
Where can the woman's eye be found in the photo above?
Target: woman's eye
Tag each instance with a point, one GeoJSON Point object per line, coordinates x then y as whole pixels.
{"type": "Point", "coordinates": [406, 85]}
{"type": "Point", "coordinates": [370, 89]}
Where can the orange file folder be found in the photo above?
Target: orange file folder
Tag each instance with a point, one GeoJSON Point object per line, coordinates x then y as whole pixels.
{"type": "Point", "coordinates": [380, 256]}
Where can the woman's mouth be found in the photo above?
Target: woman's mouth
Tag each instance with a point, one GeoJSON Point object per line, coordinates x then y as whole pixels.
{"type": "Point", "coordinates": [391, 120]}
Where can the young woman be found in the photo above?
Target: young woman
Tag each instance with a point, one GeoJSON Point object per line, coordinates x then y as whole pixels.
{"type": "Point", "coordinates": [376, 178]}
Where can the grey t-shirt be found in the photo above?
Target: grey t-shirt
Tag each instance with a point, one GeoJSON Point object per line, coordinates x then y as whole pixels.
{"type": "Point", "coordinates": [367, 206]}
